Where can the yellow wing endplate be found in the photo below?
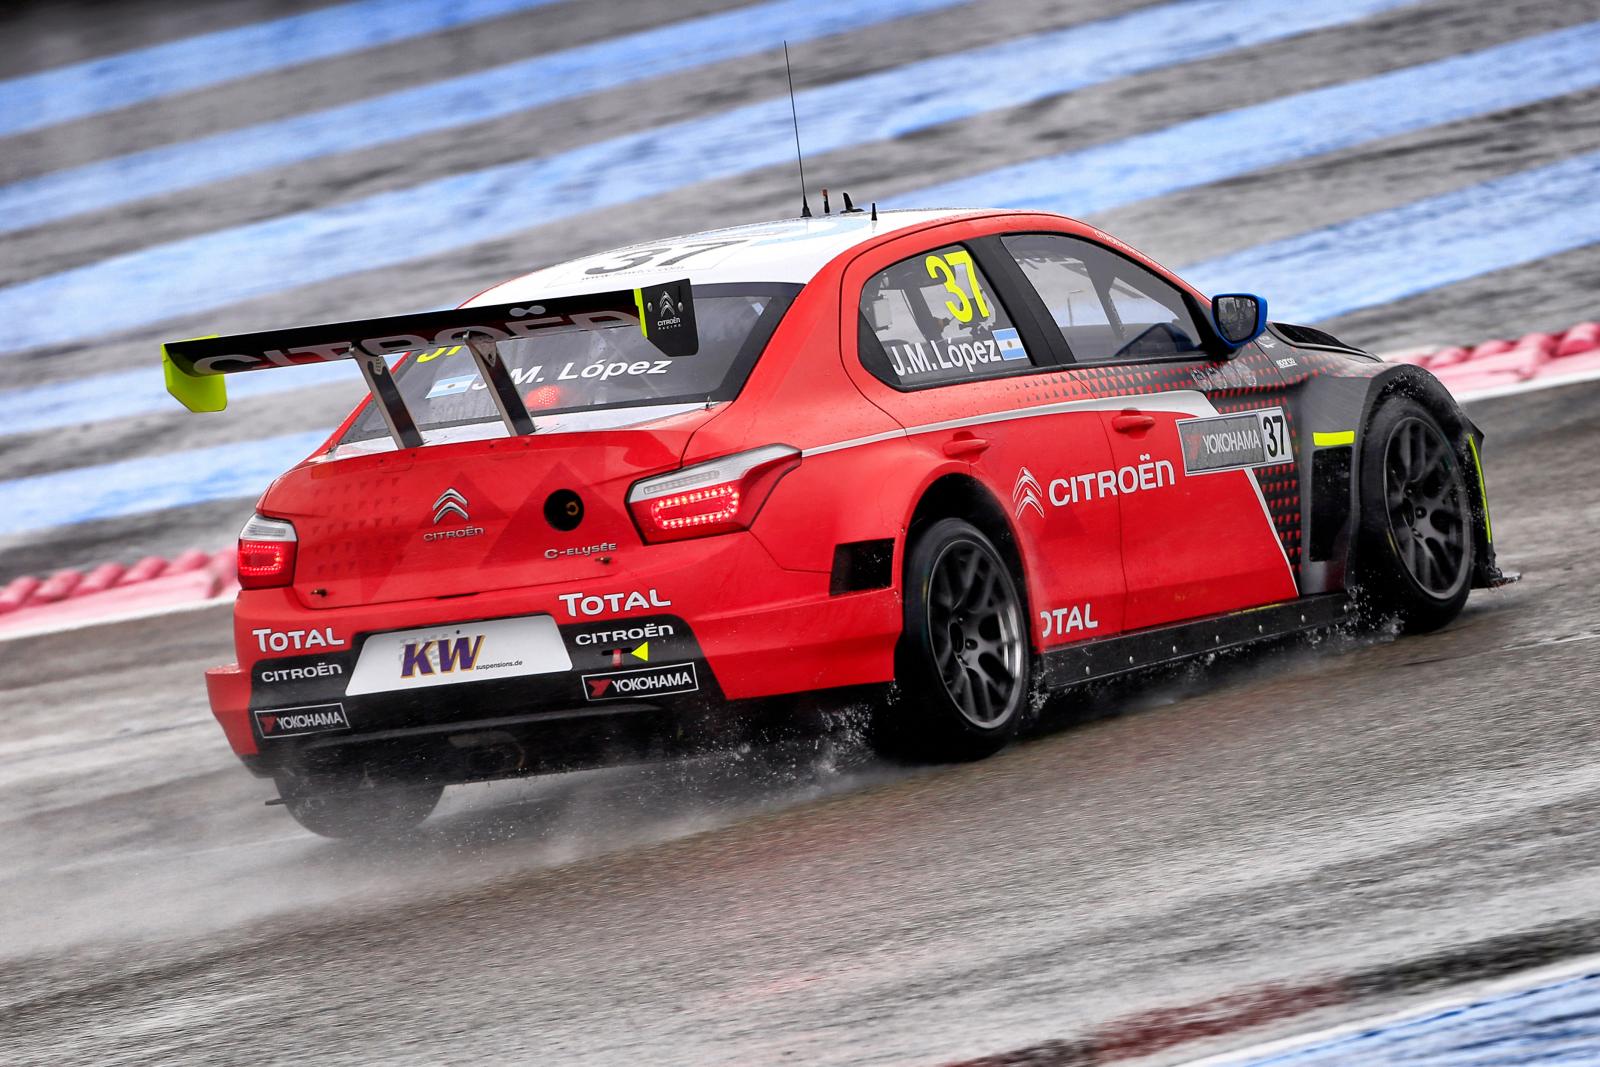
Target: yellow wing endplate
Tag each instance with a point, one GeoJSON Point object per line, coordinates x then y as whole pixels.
{"type": "Point", "coordinates": [197, 392]}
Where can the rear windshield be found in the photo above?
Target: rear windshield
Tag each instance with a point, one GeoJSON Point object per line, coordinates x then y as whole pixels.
{"type": "Point", "coordinates": [589, 370]}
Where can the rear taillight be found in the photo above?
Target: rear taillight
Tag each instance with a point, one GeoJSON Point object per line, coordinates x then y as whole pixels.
{"type": "Point", "coordinates": [266, 553]}
{"type": "Point", "coordinates": [710, 498]}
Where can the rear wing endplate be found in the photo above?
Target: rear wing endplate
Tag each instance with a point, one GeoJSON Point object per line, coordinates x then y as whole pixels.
{"type": "Point", "coordinates": [195, 368]}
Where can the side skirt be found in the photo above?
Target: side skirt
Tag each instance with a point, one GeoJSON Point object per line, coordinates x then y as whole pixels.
{"type": "Point", "coordinates": [1088, 661]}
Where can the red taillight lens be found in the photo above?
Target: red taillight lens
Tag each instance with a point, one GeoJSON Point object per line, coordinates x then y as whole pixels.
{"type": "Point", "coordinates": [710, 498]}
{"type": "Point", "coordinates": [266, 553]}
{"type": "Point", "coordinates": [718, 505]}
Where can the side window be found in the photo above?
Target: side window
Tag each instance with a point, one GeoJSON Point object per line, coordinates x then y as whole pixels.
{"type": "Point", "coordinates": [936, 321]}
{"type": "Point", "coordinates": [1108, 308]}
{"type": "Point", "coordinates": [1155, 320]}
{"type": "Point", "coordinates": [1059, 270]}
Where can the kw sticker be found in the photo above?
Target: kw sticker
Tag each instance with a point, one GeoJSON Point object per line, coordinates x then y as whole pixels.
{"type": "Point", "coordinates": [448, 656]}
{"type": "Point", "coordinates": [1257, 438]}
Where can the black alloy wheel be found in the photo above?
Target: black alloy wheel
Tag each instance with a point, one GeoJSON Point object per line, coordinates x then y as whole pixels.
{"type": "Point", "coordinates": [975, 626]}
{"type": "Point", "coordinates": [964, 665]}
{"type": "Point", "coordinates": [1414, 549]}
{"type": "Point", "coordinates": [1427, 506]}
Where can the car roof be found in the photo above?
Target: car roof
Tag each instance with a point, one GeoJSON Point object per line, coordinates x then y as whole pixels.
{"type": "Point", "coordinates": [786, 250]}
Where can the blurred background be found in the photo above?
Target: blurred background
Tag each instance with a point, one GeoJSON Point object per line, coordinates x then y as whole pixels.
{"type": "Point", "coordinates": [1405, 172]}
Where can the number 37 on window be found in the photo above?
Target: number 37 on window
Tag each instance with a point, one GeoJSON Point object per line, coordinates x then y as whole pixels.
{"type": "Point", "coordinates": [941, 268]}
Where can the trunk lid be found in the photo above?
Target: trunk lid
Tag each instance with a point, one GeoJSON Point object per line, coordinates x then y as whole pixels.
{"type": "Point", "coordinates": [458, 518]}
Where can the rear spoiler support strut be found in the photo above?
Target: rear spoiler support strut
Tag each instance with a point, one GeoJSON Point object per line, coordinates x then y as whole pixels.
{"type": "Point", "coordinates": [386, 394]}
{"type": "Point", "coordinates": [502, 387]}
{"type": "Point", "coordinates": [664, 314]}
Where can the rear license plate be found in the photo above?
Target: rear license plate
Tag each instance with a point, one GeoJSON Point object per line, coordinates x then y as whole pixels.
{"type": "Point", "coordinates": [459, 652]}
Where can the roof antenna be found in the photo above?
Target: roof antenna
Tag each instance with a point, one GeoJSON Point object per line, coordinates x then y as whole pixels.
{"type": "Point", "coordinates": [849, 206]}
{"type": "Point", "coordinates": [805, 206]}
{"type": "Point", "coordinates": [826, 210]}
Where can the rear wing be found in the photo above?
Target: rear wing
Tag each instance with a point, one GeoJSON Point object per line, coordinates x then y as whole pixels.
{"type": "Point", "coordinates": [195, 368]}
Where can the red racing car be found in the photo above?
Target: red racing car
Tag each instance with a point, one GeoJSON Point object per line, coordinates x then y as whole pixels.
{"type": "Point", "coordinates": [612, 508]}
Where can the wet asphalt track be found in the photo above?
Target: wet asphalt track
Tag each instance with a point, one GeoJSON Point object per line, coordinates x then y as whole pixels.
{"type": "Point", "coordinates": [1382, 815]}
{"type": "Point", "coordinates": [1307, 813]}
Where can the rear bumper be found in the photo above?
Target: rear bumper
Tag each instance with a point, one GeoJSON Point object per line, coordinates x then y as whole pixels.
{"type": "Point", "coordinates": [710, 641]}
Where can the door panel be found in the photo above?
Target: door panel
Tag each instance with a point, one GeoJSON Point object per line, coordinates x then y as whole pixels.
{"type": "Point", "coordinates": [1071, 549]}
{"type": "Point", "coordinates": [1192, 436]}
{"type": "Point", "coordinates": [1198, 537]}
{"type": "Point", "coordinates": [1073, 552]}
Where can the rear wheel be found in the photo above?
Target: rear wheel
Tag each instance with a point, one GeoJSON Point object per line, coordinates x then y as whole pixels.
{"type": "Point", "coordinates": [964, 663]}
{"type": "Point", "coordinates": [1414, 561]}
{"type": "Point", "coordinates": [356, 805]}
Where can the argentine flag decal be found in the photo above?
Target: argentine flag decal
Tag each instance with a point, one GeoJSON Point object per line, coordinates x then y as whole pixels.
{"type": "Point", "coordinates": [1009, 344]}
{"type": "Point", "coordinates": [460, 384]}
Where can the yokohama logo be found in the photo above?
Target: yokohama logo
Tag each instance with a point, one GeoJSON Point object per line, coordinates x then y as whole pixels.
{"type": "Point", "coordinates": [648, 681]}
{"type": "Point", "coordinates": [292, 722]}
{"type": "Point", "coordinates": [1026, 493]}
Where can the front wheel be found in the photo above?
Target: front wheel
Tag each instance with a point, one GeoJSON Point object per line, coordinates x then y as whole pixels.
{"type": "Point", "coordinates": [1414, 552]}
{"type": "Point", "coordinates": [964, 664]}
{"type": "Point", "coordinates": [356, 806]}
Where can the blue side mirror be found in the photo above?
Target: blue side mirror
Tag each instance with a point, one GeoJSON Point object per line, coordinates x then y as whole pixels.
{"type": "Point", "coordinates": [1239, 317]}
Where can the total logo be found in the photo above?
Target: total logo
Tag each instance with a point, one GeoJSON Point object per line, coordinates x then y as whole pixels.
{"type": "Point", "coordinates": [1079, 618]}
{"type": "Point", "coordinates": [269, 640]}
{"type": "Point", "coordinates": [581, 605]}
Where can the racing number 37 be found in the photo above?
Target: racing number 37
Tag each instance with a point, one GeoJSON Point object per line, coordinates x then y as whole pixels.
{"type": "Point", "coordinates": [940, 269]}
{"type": "Point", "coordinates": [1277, 437]}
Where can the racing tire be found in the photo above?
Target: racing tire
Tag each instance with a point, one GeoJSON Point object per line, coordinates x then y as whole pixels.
{"type": "Point", "coordinates": [963, 667]}
{"type": "Point", "coordinates": [348, 807]}
{"type": "Point", "coordinates": [1414, 544]}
